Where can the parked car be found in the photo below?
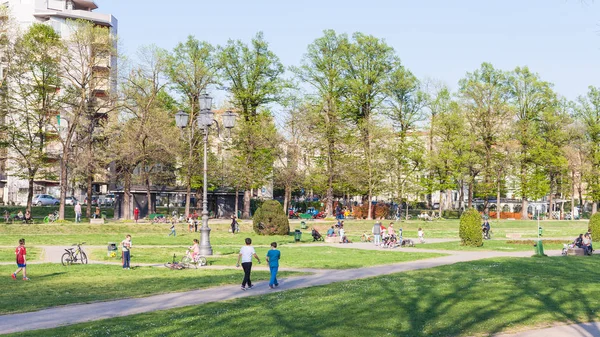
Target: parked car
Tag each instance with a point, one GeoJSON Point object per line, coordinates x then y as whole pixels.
{"type": "Point", "coordinates": [70, 201]}
{"type": "Point", "coordinates": [44, 200]}
{"type": "Point", "coordinates": [109, 200]}
{"type": "Point", "coordinates": [94, 200]}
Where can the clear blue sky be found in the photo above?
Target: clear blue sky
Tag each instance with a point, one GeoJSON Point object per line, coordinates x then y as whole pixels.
{"type": "Point", "coordinates": [439, 39]}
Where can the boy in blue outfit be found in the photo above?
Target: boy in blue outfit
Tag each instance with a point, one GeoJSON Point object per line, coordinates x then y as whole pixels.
{"type": "Point", "coordinates": [273, 257]}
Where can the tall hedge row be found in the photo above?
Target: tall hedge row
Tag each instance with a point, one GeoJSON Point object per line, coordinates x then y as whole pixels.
{"type": "Point", "coordinates": [470, 228]}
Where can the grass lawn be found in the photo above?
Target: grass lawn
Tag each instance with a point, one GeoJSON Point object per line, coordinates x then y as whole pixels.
{"type": "Point", "coordinates": [8, 254]}
{"type": "Point", "coordinates": [292, 256]}
{"type": "Point", "coordinates": [465, 299]}
{"type": "Point", "coordinates": [516, 245]}
{"type": "Point", "coordinates": [52, 284]}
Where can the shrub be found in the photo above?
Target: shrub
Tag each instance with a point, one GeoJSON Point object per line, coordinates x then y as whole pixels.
{"type": "Point", "coordinates": [470, 228]}
{"type": "Point", "coordinates": [380, 211]}
{"type": "Point", "coordinates": [269, 219]}
{"type": "Point", "coordinates": [594, 226]}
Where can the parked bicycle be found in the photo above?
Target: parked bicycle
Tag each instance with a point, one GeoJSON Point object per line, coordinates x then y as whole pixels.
{"type": "Point", "coordinates": [73, 255]}
{"type": "Point", "coordinates": [51, 217]}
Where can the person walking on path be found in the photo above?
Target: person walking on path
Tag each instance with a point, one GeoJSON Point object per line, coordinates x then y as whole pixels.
{"type": "Point", "coordinates": [421, 233]}
{"type": "Point", "coordinates": [21, 253]}
{"type": "Point", "coordinates": [376, 233]}
{"type": "Point", "coordinates": [136, 214]}
{"type": "Point", "coordinates": [246, 254]}
{"type": "Point", "coordinates": [273, 257]}
{"type": "Point", "coordinates": [173, 230]}
{"type": "Point", "coordinates": [233, 224]}
{"type": "Point", "coordinates": [77, 212]}
{"type": "Point", "coordinates": [126, 246]}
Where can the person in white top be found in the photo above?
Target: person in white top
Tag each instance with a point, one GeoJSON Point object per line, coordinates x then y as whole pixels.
{"type": "Point", "coordinates": [246, 254]}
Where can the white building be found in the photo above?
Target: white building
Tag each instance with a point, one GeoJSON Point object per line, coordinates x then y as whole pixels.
{"type": "Point", "coordinates": [55, 13]}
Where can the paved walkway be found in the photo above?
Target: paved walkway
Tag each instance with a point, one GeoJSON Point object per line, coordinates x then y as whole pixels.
{"type": "Point", "coordinates": [78, 313]}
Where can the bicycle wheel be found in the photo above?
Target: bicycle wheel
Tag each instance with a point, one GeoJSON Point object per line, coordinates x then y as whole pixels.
{"type": "Point", "coordinates": [185, 261]}
{"type": "Point", "coordinates": [46, 219]}
{"type": "Point", "coordinates": [83, 258]}
{"type": "Point", "coordinates": [169, 265]}
{"type": "Point", "coordinates": [66, 259]}
{"type": "Point", "coordinates": [201, 261]}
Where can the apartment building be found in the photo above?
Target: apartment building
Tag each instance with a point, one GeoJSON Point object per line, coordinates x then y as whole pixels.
{"type": "Point", "coordinates": [57, 13]}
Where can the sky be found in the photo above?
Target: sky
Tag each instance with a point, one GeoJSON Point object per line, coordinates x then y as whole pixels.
{"type": "Point", "coordinates": [436, 39]}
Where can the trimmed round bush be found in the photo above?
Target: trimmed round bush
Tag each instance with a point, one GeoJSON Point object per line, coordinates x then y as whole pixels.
{"type": "Point", "coordinates": [470, 228]}
{"type": "Point", "coordinates": [594, 226]}
{"type": "Point", "coordinates": [269, 219]}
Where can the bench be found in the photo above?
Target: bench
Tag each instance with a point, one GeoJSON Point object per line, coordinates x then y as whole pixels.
{"type": "Point", "coordinates": [99, 221]}
{"type": "Point", "coordinates": [513, 236]}
{"type": "Point", "coordinates": [575, 251]}
{"type": "Point", "coordinates": [332, 239]}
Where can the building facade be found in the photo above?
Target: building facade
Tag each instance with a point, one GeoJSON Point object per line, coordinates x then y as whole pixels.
{"type": "Point", "coordinates": [57, 14]}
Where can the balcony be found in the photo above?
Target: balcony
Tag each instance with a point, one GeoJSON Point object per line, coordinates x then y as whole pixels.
{"type": "Point", "coordinates": [100, 83]}
{"type": "Point", "coordinates": [85, 5]}
{"type": "Point", "coordinates": [3, 176]}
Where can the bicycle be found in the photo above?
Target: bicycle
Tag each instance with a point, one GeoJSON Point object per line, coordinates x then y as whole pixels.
{"type": "Point", "coordinates": [73, 256]}
{"type": "Point", "coordinates": [51, 217]}
{"type": "Point", "coordinates": [186, 261]}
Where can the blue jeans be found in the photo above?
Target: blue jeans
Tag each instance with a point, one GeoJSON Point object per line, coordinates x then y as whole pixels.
{"type": "Point", "coordinates": [273, 280]}
{"type": "Point", "coordinates": [377, 239]}
{"type": "Point", "coordinates": [77, 217]}
{"type": "Point", "coordinates": [126, 258]}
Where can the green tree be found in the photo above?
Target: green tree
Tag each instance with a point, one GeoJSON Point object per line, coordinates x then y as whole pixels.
{"type": "Point", "coordinates": [253, 76]}
{"type": "Point", "coordinates": [88, 71]}
{"type": "Point", "coordinates": [191, 68]}
{"type": "Point", "coordinates": [529, 97]}
{"type": "Point", "coordinates": [31, 104]}
{"type": "Point", "coordinates": [588, 112]}
{"type": "Point", "coordinates": [321, 68]}
{"type": "Point", "coordinates": [485, 99]}
{"type": "Point", "coordinates": [269, 219]}
{"type": "Point", "coordinates": [368, 62]}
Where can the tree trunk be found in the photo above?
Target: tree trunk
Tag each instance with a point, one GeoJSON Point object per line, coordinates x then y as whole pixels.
{"type": "Point", "coordinates": [550, 201]}
{"type": "Point", "coordinates": [370, 212]}
{"type": "Point", "coordinates": [126, 196]}
{"type": "Point", "coordinates": [30, 191]}
{"type": "Point", "coordinates": [188, 195]}
{"type": "Point", "coordinates": [594, 207]}
{"type": "Point", "coordinates": [246, 212]}
{"type": "Point", "coordinates": [524, 206]}
{"type": "Point", "coordinates": [286, 199]}
{"type": "Point", "coordinates": [63, 180]}
{"type": "Point", "coordinates": [88, 206]}
{"type": "Point", "coordinates": [148, 194]}
{"type": "Point", "coordinates": [237, 201]}
{"type": "Point", "coordinates": [498, 208]}
{"type": "Point", "coordinates": [461, 196]}
{"type": "Point", "coordinates": [574, 189]}
{"type": "Point", "coordinates": [470, 197]}
{"type": "Point", "coordinates": [441, 207]}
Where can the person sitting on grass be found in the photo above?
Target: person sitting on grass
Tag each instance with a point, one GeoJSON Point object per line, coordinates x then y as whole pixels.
{"type": "Point", "coordinates": [331, 232]}
{"type": "Point", "coordinates": [19, 216]}
{"type": "Point", "coordinates": [6, 215]}
{"type": "Point", "coordinates": [27, 216]}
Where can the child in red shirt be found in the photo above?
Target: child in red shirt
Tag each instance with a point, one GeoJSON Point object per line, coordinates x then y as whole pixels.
{"type": "Point", "coordinates": [21, 253]}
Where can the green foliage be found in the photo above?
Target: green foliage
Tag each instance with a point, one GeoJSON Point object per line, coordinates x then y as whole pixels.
{"type": "Point", "coordinates": [469, 229]}
{"type": "Point", "coordinates": [269, 219]}
{"type": "Point", "coordinates": [594, 225]}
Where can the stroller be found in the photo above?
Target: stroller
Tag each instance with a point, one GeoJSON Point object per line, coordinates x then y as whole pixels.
{"type": "Point", "coordinates": [316, 235]}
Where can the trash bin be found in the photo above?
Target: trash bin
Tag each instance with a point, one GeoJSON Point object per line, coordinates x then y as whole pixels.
{"type": "Point", "coordinates": [297, 235]}
{"type": "Point", "coordinates": [112, 249]}
{"type": "Point", "coordinates": [303, 225]}
{"type": "Point", "coordinates": [539, 248]}
{"type": "Point", "coordinates": [540, 230]}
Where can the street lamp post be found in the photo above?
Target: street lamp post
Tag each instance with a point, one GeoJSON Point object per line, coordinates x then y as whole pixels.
{"type": "Point", "coordinates": [204, 121]}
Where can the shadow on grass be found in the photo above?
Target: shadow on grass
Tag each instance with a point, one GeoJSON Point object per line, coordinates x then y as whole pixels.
{"type": "Point", "coordinates": [475, 298]}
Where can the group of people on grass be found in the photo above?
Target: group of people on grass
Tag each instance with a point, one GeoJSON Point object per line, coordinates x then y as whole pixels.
{"type": "Point", "coordinates": [389, 237]}
{"type": "Point", "coordinates": [337, 231]}
{"type": "Point", "coordinates": [26, 218]}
